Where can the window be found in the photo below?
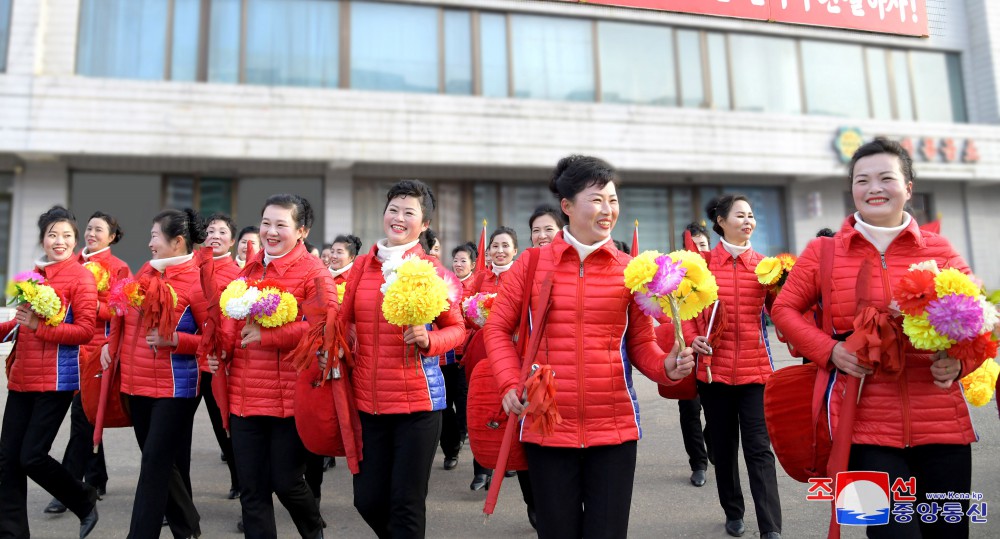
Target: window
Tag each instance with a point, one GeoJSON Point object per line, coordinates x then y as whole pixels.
{"type": "Point", "coordinates": [878, 83]}
{"type": "Point", "coordinates": [457, 52]}
{"type": "Point", "coordinates": [718, 66]}
{"type": "Point", "coordinates": [765, 74]}
{"type": "Point", "coordinates": [6, 206]}
{"type": "Point", "coordinates": [123, 39]}
{"type": "Point", "coordinates": [834, 78]}
{"type": "Point", "coordinates": [493, 54]}
{"type": "Point", "coordinates": [691, 75]}
{"type": "Point", "coordinates": [394, 47]}
{"type": "Point", "coordinates": [553, 58]}
{"type": "Point", "coordinates": [5, 7]}
{"type": "Point", "coordinates": [900, 78]}
{"type": "Point", "coordinates": [369, 206]}
{"type": "Point", "coordinates": [224, 41]}
{"type": "Point", "coordinates": [185, 39]}
{"type": "Point", "coordinates": [292, 42]}
{"type": "Point", "coordinates": [518, 203]}
{"type": "Point", "coordinates": [206, 195]}
{"type": "Point", "coordinates": [647, 204]}
{"type": "Point", "coordinates": [937, 87]}
{"type": "Point", "coordinates": [637, 64]}
{"type": "Point", "coordinates": [484, 196]}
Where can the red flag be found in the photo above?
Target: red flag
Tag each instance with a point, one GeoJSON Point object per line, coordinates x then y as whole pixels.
{"type": "Point", "coordinates": [635, 239]}
{"type": "Point", "coordinates": [481, 254]}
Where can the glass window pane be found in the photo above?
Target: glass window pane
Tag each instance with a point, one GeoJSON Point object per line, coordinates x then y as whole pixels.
{"type": "Point", "coordinates": [647, 204]}
{"type": "Point", "coordinates": [682, 213]}
{"type": "Point", "coordinates": [216, 196]}
{"type": "Point", "coordinates": [637, 64]}
{"type": "Point", "coordinates": [4, 33]}
{"type": "Point", "coordinates": [765, 74]}
{"type": "Point", "coordinates": [180, 192]}
{"type": "Point", "coordinates": [394, 47]}
{"type": "Point", "coordinates": [123, 39]}
{"type": "Point", "coordinates": [6, 207]}
{"type": "Point", "coordinates": [493, 50]}
{"type": "Point", "coordinates": [834, 79]}
{"type": "Point", "coordinates": [692, 79]}
{"type": "Point", "coordinates": [369, 206]}
{"type": "Point", "coordinates": [901, 85]}
{"type": "Point", "coordinates": [878, 83]}
{"type": "Point", "coordinates": [457, 52]}
{"type": "Point", "coordinates": [224, 41]}
{"type": "Point", "coordinates": [484, 206]}
{"type": "Point", "coordinates": [932, 86]}
{"type": "Point", "coordinates": [956, 87]}
{"type": "Point", "coordinates": [553, 58]}
{"type": "Point", "coordinates": [292, 42]}
{"type": "Point", "coordinates": [184, 53]}
{"type": "Point", "coordinates": [519, 202]}
{"type": "Point", "coordinates": [718, 68]}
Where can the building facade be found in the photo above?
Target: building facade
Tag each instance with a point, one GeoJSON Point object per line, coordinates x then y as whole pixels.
{"type": "Point", "coordinates": [131, 106]}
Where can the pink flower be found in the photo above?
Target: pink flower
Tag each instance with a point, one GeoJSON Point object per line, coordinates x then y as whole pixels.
{"type": "Point", "coordinates": [648, 305]}
{"type": "Point", "coordinates": [668, 277]}
{"type": "Point", "coordinates": [956, 316]}
{"type": "Point", "coordinates": [29, 276]}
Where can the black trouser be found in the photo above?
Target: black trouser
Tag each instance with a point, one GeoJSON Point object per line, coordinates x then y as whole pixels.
{"type": "Point", "coordinates": [694, 436]}
{"type": "Point", "coordinates": [163, 429]}
{"type": "Point", "coordinates": [30, 423]}
{"type": "Point", "coordinates": [524, 480]}
{"type": "Point", "coordinates": [270, 458]}
{"type": "Point", "coordinates": [735, 413]}
{"type": "Point", "coordinates": [936, 468]}
{"type": "Point", "coordinates": [314, 474]}
{"type": "Point", "coordinates": [390, 492]}
{"type": "Point", "coordinates": [79, 458]}
{"type": "Point", "coordinates": [582, 492]}
{"type": "Point", "coordinates": [453, 427]}
{"type": "Point", "coordinates": [479, 469]}
{"type": "Point", "coordinates": [215, 416]}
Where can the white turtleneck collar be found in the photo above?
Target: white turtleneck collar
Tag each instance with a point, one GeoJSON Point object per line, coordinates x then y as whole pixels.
{"type": "Point", "coordinates": [240, 262]}
{"type": "Point", "coordinates": [268, 258]}
{"type": "Point", "coordinates": [583, 250]}
{"type": "Point", "coordinates": [44, 262]}
{"type": "Point", "coordinates": [86, 255]}
{"type": "Point", "coordinates": [497, 270]}
{"type": "Point", "coordinates": [161, 264]}
{"type": "Point", "coordinates": [222, 257]}
{"type": "Point", "coordinates": [467, 277]}
{"type": "Point", "coordinates": [341, 271]}
{"type": "Point", "coordinates": [880, 237]}
{"type": "Point", "coordinates": [735, 250]}
{"type": "Point", "coordinates": [385, 252]}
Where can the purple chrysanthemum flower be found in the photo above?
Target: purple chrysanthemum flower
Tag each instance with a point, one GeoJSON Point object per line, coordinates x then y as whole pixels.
{"type": "Point", "coordinates": [668, 277]}
{"type": "Point", "coordinates": [648, 305]}
{"type": "Point", "coordinates": [265, 306]}
{"type": "Point", "coordinates": [956, 316]}
{"type": "Point", "coordinates": [29, 276]}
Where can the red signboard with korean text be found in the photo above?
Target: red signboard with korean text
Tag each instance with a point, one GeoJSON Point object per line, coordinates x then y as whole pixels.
{"type": "Point", "coordinates": [903, 17]}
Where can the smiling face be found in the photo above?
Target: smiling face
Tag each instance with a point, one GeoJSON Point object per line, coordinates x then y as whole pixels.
{"type": "Point", "coordinates": [436, 249]}
{"type": "Point", "coordinates": [59, 241]}
{"type": "Point", "coordinates": [219, 237]}
{"type": "Point", "coordinates": [403, 220]}
{"type": "Point", "coordinates": [97, 235]}
{"type": "Point", "coordinates": [543, 230]}
{"type": "Point", "coordinates": [739, 225]}
{"type": "Point", "coordinates": [592, 213]}
{"type": "Point", "coordinates": [248, 239]}
{"type": "Point", "coordinates": [880, 189]}
{"type": "Point", "coordinates": [461, 264]}
{"type": "Point", "coordinates": [161, 246]}
{"type": "Point", "coordinates": [502, 249]}
{"type": "Point", "coordinates": [340, 256]}
{"type": "Point", "coordinates": [278, 230]}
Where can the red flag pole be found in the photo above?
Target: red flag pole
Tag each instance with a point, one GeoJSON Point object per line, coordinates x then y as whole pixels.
{"type": "Point", "coordinates": [481, 254]}
{"type": "Point", "coordinates": [635, 239]}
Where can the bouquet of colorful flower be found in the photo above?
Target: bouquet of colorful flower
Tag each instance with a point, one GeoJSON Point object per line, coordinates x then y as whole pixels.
{"type": "Point", "coordinates": [945, 310]}
{"type": "Point", "coordinates": [772, 272]}
{"type": "Point", "coordinates": [262, 301]}
{"type": "Point", "coordinates": [130, 292]}
{"type": "Point", "coordinates": [414, 292]}
{"type": "Point", "coordinates": [477, 308]}
{"type": "Point", "coordinates": [102, 275]}
{"type": "Point", "coordinates": [679, 282]}
{"type": "Point", "coordinates": [29, 287]}
{"type": "Point", "coordinates": [341, 288]}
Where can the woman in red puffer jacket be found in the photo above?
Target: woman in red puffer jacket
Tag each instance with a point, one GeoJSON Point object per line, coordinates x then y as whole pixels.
{"type": "Point", "coordinates": [731, 375]}
{"type": "Point", "coordinates": [344, 250]}
{"type": "Point", "coordinates": [262, 378]}
{"type": "Point", "coordinates": [916, 424]}
{"type": "Point", "coordinates": [160, 375]}
{"type": "Point", "coordinates": [582, 473]}
{"type": "Point", "coordinates": [399, 401]}
{"type": "Point", "coordinates": [42, 379]}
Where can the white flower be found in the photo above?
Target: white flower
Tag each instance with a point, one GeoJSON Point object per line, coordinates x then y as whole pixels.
{"type": "Point", "coordinates": [389, 268]}
{"type": "Point", "coordinates": [990, 315]}
{"type": "Point", "coordinates": [929, 265]}
{"type": "Point", "coordinates": [239, 308]}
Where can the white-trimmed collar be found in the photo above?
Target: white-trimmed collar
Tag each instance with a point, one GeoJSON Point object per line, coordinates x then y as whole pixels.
{"type": "Point", "coordinates": [341, 271]}
{"type": "Point", "coordinates": [583, 250]}
{"type": "Point", "coordinates": [735, 250]}
{"type": "Point", "coordinates": [879, 236]}
{"type": "Point", "coordinates": [268, 258]}
{"type": "Point", "coordinates": [497, 270]}
{"type": "Point", "coordinates": [86, 255]}
{"type": "Point", "coordinates": [161, 264]}
{"type": "Point", "coordinates": [385, 252]}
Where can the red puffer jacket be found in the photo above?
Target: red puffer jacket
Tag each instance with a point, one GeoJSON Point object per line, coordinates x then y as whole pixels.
{"type": "Point", "coordinates": [261, 379]}
{"type": "Point", "coordinates": [169, 372]}
{"type": "Point", "coordinates": [743, 355]}
{"type": "Point", "coordinates": [384, 383]}
{"type": "Point", "coordinates": [906, 412]}
{"type": "Point", "coordinates": [48, 359]}
{"type": "Point", "coordinates": [468, 289]}
{"type": "Point", "coordinates": [225, 271]}
{"type": "Point", "coordinates": [593, 334]}
{"type": "Point", "coordinates": [119, 270]}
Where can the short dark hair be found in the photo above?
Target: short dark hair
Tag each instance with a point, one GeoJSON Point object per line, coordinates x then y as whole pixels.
{"type": "Point", "coordinates": [720, 206]}
{"type": "Point", "coordinates": [575, 173]}
{"type": "Point", "coordinates": [219, 216]}
{"type": "Point", "coordinates": [416, 189]}
{"type": "Point", "coordinates": [247, 230]}
{"type": "Point", "coordinates": [697, 229]}
{"type": "Point", "coordinates": [427, 239]}
{"type": "Point", "coordinates": [183, 223]}
{"type": "Point", "coordinates": [302, 212]}
{"type": "Point", "coordinates": [622, 246]}
{"type": "Point", "coordinates": [824, 233]}
{"type": "Point", "coordinates": [309, 247]}
{"type": "Point", "coordinates": [113, 227]}
{"type": "Point", "coordinates": [504, 230]}
{"type": "Point", "coordinates": [352, 242]}
{"type": "Point", "coordinates": [546, 209]}
{"type": "Point", "coordinates": [468, 247]}
{"type": "Point", "coordinates": [883, 145]}
{"type": "Point", "coordinates": [56, 214]}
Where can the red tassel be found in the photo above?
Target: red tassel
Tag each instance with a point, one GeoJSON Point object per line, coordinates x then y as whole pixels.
{"type": "Point", "coordinates": [541, 389]}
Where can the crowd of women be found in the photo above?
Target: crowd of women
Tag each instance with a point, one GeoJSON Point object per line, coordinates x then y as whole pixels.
{"type": "Point", "coordinates": [581, 322]}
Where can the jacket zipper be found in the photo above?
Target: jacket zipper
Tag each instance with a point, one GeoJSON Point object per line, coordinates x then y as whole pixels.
{"type": "Point", "coordinates": [579, 359]}
{"type": "Point", "coordinates": [736, 285]}
{"type": "Point", "coordinates": [243, 381]}
{"type": "Point", "coordinates": [901, 382]}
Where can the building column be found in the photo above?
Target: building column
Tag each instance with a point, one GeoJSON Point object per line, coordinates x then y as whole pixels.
{"type": "Point", "coordinates": [40, 184]}
{"type": "Point", "coordinates": [338, 194]}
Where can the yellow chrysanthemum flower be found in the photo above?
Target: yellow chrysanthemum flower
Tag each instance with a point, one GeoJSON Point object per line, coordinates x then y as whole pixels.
{"type": "Point", "coordinates": [341, 288]}
{"type": "Point", "coordinates": [922, 334]}
{"type": "Point", "coordinates": [417, 296]}
{"type": "Point", "coordinates": [235, 289]}
{"type": "Point", "coordinates": [698, 289]}
{"type": "Point", "coordinates": [12, 289]}
{"type": "Point", "coordinates": [769, 271]}
{"type": "Point", "coordinates": [29, 290]}
{"type": "Point", "coordinates": [640, 271]}
{"type": "Point", "coordinates": [46, 302]}
{"type": "Point", "coordinates": [58, 318]}
{"type": "Point", "coordinates": [980, 383]}
{"type": "Point", "coordinates": [287, 311]}
{"type": "Point", "coordinates": [952, 281]}
{"type": "Point", "coordinates": [787, 261]}
{"type": "Point", "coordinates": [101, 275]}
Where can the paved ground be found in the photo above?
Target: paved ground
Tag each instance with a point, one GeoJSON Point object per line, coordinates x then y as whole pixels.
{"type": "Point", "coordinates": [664, 503]}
